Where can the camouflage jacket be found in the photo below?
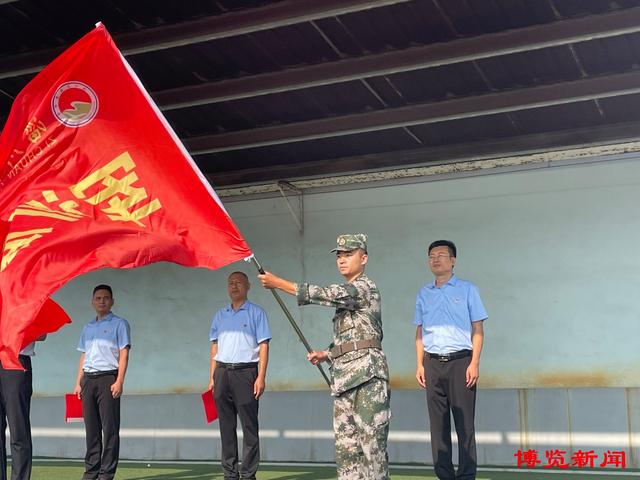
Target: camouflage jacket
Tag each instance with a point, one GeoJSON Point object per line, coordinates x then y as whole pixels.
{"type": "Point", "coordinates": [358, 317]}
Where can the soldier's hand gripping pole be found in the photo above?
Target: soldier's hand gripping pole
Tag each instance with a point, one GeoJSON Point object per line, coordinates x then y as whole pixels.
{"type": "Point", "coordinates": [291, 321]}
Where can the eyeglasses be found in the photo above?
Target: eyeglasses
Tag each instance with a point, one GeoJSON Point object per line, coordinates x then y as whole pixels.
{"type": "Point", "coordinates": [440, 256]}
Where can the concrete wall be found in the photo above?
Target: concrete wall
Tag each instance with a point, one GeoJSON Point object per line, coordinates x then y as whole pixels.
{"type": "Point", "coordinates": [552, 250]}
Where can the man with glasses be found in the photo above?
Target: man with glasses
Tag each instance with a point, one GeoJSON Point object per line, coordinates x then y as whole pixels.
{"type": "Point", "coordinates": [449, 320]}
{"type": "Point", "coordinates": [239, 355]}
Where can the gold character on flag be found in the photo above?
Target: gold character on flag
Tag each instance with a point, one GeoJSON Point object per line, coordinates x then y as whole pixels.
{"type": "Point", "coordinates": [34, 130]}
{"type": "Point", "coordinates": [33, 208]}
{"type": "Point", "coordinates": [119, 193]}
{"type": "Point", "coordinates": [16, 241]}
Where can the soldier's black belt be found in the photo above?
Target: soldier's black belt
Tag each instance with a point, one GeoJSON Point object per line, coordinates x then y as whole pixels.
{"type": "Point", "coordinates": [446, 357]}
{"type": "Point", "coordinates": [236, 366]}
{"type": "Point", "coordinates": [343, 348]}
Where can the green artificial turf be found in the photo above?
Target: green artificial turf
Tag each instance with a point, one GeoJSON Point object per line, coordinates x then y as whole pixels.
{"type": "Point", "coordinates": [61, 470]}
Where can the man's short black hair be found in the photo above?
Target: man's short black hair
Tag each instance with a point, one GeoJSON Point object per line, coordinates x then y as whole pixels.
{"type": "Point", "coordinates": [444, 243]}
{"type": "Point", "coordinates": [103, 286]}
{"type": "Point", "coordinates": [239, 273]}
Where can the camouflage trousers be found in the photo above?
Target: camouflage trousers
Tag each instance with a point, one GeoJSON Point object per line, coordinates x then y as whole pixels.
{"type": "Point", "coordinates": [361, 425]}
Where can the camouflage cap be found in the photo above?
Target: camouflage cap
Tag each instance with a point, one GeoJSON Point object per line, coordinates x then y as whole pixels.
{"type": "Point", "coordinates": [350, 241]}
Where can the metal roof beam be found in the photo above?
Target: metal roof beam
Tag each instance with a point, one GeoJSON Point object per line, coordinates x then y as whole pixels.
{"type": "Point", "coordinates": [440, 155]}
{"type": "Point", "coordinates": [446, 53]}
{"type": "Point", "coordinates": [279, 14]}
{"type": "Point", "coordinates": [465, 107]}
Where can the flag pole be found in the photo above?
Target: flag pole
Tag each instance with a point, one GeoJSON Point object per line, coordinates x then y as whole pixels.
{"type": "Point", "coordinates": [291, 321]}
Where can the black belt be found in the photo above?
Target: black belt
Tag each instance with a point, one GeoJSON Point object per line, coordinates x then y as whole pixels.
{"type": "Point", "coordinates": [236, 366]}
{"type": "Point", "coordinates": [446, 357]}
{"type": "Point", "coordinates": [100, 374]}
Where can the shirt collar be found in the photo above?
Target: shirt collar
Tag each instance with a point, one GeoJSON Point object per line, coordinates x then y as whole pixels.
{"type": "Point", "coordinates": [107, 317]}
{"type": "Point", "coordinates": [244, 306]}
{"type": "Point", "coordinates": [361, 276]}
{"type": "Point", "coordinates": [452, 281]}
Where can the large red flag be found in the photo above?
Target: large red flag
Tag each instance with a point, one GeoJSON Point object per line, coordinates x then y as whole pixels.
{"type": "Point", "coordinates": [92, 176]}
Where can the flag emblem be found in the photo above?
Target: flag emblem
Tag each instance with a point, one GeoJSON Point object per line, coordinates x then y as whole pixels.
{"type": "Point", "coordinates": [74, 104]}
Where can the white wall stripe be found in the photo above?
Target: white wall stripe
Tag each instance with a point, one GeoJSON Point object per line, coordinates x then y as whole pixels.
{"type": "Point", "coordinates": [145, 433]}
{"type": "Point", "coordinates": [551, 439]}
{"type": "Point", "coordinates": [310, 434]}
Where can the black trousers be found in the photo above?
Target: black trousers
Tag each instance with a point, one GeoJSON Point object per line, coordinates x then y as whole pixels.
{"type": "Point", "coordinates": [101, 417]}
{"type": "Point", "coordinates": [447, 393]}
{"type": "Point", "coordinates": [233, 393]}
{"type": "Point", "coordinates": [16, 388]}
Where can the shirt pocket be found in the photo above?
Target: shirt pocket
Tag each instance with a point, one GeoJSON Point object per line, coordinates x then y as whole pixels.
{"type": "Point", "coordinates": [347, 327]}
{"type": "Point", "coordinates": [106, 333]}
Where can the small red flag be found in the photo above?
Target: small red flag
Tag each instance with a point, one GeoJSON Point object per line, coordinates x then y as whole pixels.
{"type": "Point", "coordinates": [92, 176]}
{"type": "Point", "coordinates": [209, 405]}
{"type": "Point", "coordinates": [73, 408]}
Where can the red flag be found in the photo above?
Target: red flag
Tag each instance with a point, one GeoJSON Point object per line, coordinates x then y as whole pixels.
{"type": "Point", "coordinates": [92, 176]}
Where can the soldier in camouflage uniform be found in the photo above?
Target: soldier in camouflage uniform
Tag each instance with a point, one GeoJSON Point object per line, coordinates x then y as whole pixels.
{"type": "Point", "coordinates": [359, 371]}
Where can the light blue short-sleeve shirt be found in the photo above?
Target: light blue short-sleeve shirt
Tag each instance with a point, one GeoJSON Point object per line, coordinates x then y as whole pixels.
{"type": "Point", "coordinates": [239, 332]}
{"type": "Point", "coordinates": [446, 315]}
{"type": "Point", "coordinates": [101, 342]}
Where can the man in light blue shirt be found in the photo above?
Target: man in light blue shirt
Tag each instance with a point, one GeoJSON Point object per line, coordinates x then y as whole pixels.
{"type": "Point", "coordinates": [449, 320]}
{"type": "Point", "coordinates": [105, 342]}
{"type": "Point", "coordinates": [239, 355]}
